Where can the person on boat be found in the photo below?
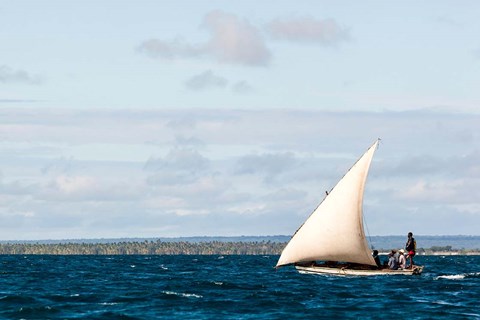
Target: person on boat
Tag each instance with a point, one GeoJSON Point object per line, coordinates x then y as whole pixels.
{"type": "Point", "coordinates": [411, 247]}
{"type": "Point", "coordinates": [392, 261]}
{"type": "Point", "coordinates": [396, 254]}
{"type": "Point", "coordinates": [377, 259]}
{"type": "Point", "coordinates": [402, 261]}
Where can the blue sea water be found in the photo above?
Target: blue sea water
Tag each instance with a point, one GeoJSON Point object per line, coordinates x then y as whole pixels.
{"type": "Point", "coordinates": [228, 287]}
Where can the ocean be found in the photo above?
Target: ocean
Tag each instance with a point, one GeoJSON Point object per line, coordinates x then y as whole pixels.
{"type": "Point", "coordinates": [228, 287]}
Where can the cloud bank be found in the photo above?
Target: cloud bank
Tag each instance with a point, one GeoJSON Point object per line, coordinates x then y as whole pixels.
{"type": "Point", "coordinates": [106, 173]}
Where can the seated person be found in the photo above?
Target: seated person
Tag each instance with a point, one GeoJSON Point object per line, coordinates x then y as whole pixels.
{"type": "Point", "coordinates": [377, 259]}
{"type": "Point", "coordinates": [392, 261]}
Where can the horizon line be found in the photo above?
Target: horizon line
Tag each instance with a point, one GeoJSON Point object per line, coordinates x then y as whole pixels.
{"type": "Point", "coordinates": [209, 236]}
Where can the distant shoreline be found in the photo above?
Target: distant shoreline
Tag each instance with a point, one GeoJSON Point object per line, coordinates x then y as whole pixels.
{"type": "Point", "coordinates": [438, 239]}
{"type": "Point", "coordinates": [455, 253]}
{"type": "Point", "coordinates": [160, 247]}
{"type": "Point", "coordinates": [444, 253]}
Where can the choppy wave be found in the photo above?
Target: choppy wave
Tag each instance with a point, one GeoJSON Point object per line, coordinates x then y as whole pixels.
{"type": "Point", "coordinates": [232, 287]}
{"type": "Point", "coordinates": [459, 276]}
{"type": "Point", "coordinates": [181, 294]}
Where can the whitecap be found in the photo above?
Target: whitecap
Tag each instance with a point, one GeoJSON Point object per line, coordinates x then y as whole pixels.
{"type": "Point", "coordinates": [192, 295]}
{"type": "Point", "coordinates": [445, 303]}
{"type": "Point", "coordinates": [187, 295]}
{"type": "Point", "coordinates": [452, 277]}
{"type": "Point", "coordinates": [470, 314]}
{"type": "Point", "coordinates": [132, 266]}
{"type": "Point", "coordinates": [459, 276]}
{"type": "Point", "coordinates": [163, 267]}
{"type": "Point", "coordinates": [474, 274]}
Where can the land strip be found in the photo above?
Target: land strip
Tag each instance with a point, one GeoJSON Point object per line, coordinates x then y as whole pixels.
{"type": "Point", "coordinates": [159, 247]}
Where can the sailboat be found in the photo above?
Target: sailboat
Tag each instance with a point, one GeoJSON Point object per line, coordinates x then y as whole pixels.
{"type": "Point", "coordinates": [332, 239]}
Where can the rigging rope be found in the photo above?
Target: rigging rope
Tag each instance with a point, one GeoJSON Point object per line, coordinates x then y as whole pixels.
{"type": "Point", "coordinates": [368, 232]}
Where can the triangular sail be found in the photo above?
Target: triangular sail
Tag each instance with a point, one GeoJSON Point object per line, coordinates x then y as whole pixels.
{"type": "Point", "coordinates": [334, 231]}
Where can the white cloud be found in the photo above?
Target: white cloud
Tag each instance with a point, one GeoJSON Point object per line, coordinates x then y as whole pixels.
{"type": "Point", "coordinates": [181, 168]}
{"type": "Point", "coordinates": [184, 212]}
{"type": "Point", "coordinates": [71, 185]}
{"type": "Point", "coordinates": [170, 49]}
{"type": "Point", "coordinates": [87, 188]}
{"type": "Point", "coordinates": [232, 40]}
{"type": "Point", "coordinates": [16, 187]}
{"type": "Point", "coordinates": [308, 29]}
{"type": "Point", "coordinates": [435, 191]}
{"type": "Point", "coordinates": [235, 40]}
{"type": "Point", "coordinates": [205, 80]}
{"type": "Point", "coordinates": [185, 160]}
{"type": "Point", "coordinates": [9, 75]}
{"type": "Point", "coordinates": [271, 165]}
{"type": "Point", "coordinates": [242, 87]}
{"type": "Point", "coordinates": [449, 21]}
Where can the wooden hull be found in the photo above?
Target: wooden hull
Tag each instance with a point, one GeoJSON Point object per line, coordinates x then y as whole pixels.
{"type": "Point", "coordinates": [417, 270]}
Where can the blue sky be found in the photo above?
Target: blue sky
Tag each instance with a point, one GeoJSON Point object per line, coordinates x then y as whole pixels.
{"type": "Point", "coordinates": [181, 118]}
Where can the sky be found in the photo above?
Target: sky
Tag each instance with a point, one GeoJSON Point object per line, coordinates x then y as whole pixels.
{"type": "Point", "coordinates": [225, 118]}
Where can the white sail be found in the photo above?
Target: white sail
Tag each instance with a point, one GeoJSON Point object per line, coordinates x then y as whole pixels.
{"type": "Point", "coordinates": [334, 231]}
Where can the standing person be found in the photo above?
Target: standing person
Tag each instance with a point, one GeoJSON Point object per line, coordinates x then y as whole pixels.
{"type": "Point", "coordinates": [411, 246]}
{"type": "Point", "coordinates": [402, 261]}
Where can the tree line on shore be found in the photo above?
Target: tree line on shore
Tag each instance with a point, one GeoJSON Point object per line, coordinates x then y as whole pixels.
{"type": "Point", "coordinates": [172, 248]}
{"type": "Point", "coordinates": [146, 248]}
